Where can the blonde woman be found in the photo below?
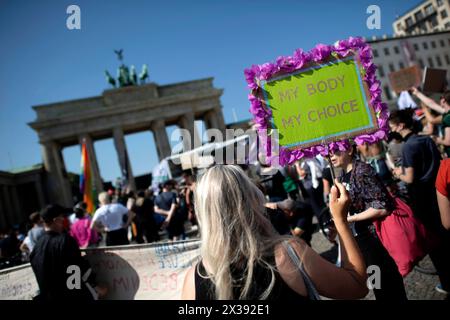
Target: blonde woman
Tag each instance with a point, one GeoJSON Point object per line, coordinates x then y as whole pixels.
{"type": "Point", "coordinates": [244, 258]}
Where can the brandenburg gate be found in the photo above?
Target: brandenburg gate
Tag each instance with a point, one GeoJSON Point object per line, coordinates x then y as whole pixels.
{"type": "Point", "coordinates": [118, 112]}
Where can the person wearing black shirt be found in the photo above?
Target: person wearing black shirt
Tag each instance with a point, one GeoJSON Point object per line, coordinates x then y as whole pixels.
{"type": "Point", "coordinates": [166, 204]}
{"type": "Point", "coordinates": [51, 258]}
{"type": "Point", "coordinates": [420, 165]}
{"type": "Point", "coordinates": [144, 219]}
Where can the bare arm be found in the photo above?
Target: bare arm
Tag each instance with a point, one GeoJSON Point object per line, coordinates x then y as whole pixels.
{"type": "Point", "coordinates": [389, 161]}
{"type": "Point", "coordinates": [368, 214]}
{"type": "Point", "coordinates": [326, 189]}
{"type": "Point", "coordinates": [430, 103]}
{"type": "Point", "coordinates": [347, 282]}
{"type": "Point", "coordinates": [97, 225]}
{"type": "Point", "coordinates": [444, 209]}
{"type": "Point", "coordinates": [130, 218]}
{"type": "Point", "coordinates": [188, 291]}
{"type": "Point", "coordinates": [297, 231]}
{"type": "Point", "coordinates": [407, 177]}
{"type": "Point", "coordinates": [446, 140]}
{"type": "Point", "coordinates": [430, 118]}
{"type": "Point", "coordinates": [171, 211]}
{"type": "Point", "coordinates": [161, 211]}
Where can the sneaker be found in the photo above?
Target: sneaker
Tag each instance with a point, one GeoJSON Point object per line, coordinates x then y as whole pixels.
{"type": "Point", "coordinates": [439, 289]}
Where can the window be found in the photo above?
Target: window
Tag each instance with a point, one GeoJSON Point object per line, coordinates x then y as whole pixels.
{"type": "Point", "coordinates": [418, 15]}
{"type": "Point", "coordinates": [399, 26]}
{"type": "Point", "coordinates": [401, 65]}
{"type": "Point", "coordinates": [429, 9]}
{"type": "Point", "coordinates": [386, 51]}
{"type": "Point", "coordinates": [425, 45]}
{"type": "Point", "coordinates": [442, 42]}
{"type": "Point", "coordinates": [433, 21]}
{"type": "Point", "coordinates": [440, 3]}
{"type": "Point", "coordinates": [396, 50]}
{"type": "Point", "coordinates": [447, 59]}
{"type": "Point", "coordinates": [375, 53]}
{"type": "Point", "coordinates": [416, 47]}
{"type": "Point", "coordinates": [444, 14]}
{"type": "Point", "coordinates": [421, 63]}
{"type": "Point", "coordinates": [438, 61]}
{"type": "Point", "coordinates": [387, 93]}
{"type": "Point", "coordinates": [409, 22]}
{"type": "Point", "coordinates": [433, 44]}
{"type": "Point", "coordinates": [430, 63]}
{"type": "Point", "coordinates": [391, 67]}
{"type": "Point", "coordinates": [423, 26]}
{"type": "Point", "coordinates": [381, 71]}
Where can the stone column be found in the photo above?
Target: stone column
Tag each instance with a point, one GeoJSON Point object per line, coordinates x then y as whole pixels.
{"type": "Point", "coordinates": [161, 139]}
{"type": "Point", "coordinates": [220, 119]}
{"type": "Point", "coordinates": [187, 121]}
{"type": "Point", "coordinates": [18, 213]}
{"type": "Point", "coordinates": [95, 171]}
{"type": "Point", "coordinates": [9, 210]}
{"type": "Point", "coordinates": [39, 192]}
{"type": "Point", "coordinates": [58, 184]}
{"type": "Point", "coordinates": [124, 160]}
{"type": "Point", "coordinates": [4, 222]}
{"type": "Point", "coordinates": [211, 123]}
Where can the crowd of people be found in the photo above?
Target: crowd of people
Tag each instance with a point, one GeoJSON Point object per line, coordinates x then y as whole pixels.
{"type": "Point", "coordinates": [262, 225]}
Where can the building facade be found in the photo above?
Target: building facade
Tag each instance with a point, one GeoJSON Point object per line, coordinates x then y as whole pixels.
{"type": "Point", "coordinates": [115, 113]}
{"type": "Point", "coordinates": [428, 16]}
{"type": "Point", "coordinates": [22, 192]}
{"type": "Point", "coordinates": [395, 53]}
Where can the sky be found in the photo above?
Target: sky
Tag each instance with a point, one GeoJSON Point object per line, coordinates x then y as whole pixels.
{"type": "Point", "coordinates": [41, 61]}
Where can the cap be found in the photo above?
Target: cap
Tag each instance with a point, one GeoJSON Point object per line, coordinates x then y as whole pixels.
{"type": "Point", "coordinates": [53, 211]}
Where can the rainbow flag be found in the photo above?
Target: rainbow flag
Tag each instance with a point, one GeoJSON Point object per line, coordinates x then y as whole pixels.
{"type": "Point", "coordinates": [87, 188]}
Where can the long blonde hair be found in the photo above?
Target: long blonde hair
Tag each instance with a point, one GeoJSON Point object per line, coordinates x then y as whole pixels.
{"type": "Point", "coordinates": [234, 229]}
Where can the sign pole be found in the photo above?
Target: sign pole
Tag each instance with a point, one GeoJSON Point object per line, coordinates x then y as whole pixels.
{"type": "Point", "coordinates": [333, 174]}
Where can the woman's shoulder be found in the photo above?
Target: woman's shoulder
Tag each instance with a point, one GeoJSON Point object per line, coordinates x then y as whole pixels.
{"type": "Point", "coordinates": [285, 266]}
{"type": "Point", "coordinates": [188, 292]}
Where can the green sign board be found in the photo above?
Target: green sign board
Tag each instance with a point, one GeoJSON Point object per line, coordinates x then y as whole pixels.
{"type": "Point", "coordinates": [323, 103]}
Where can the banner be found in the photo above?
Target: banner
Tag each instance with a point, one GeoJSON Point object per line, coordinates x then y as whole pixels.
{"type": "Point", "coordinates": [135, 272]}
{"type": "Point", "coordinates": [404, 79]}
{"type": "Point", "coordinates": [160, 174]}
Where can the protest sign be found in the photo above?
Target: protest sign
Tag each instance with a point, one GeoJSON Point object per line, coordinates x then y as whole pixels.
{"type": "Point", "coordinates": [319, 104]}
{"type": "Point", "coordinates": [434, 80]}
{"type": "Point", "coordinates": [136, 272]}
{"type": "Point", "coordinates": [314, 101]}
{"type": "Point", "coordinates": [404, 79]}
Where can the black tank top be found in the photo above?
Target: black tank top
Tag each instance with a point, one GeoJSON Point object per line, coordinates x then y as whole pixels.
{"type": "Point", "coordinates": [205, 290]}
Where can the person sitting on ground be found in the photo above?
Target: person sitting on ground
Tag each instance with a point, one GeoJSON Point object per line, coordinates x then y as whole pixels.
{"type": "Point", "coordinates": [242, 256]}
